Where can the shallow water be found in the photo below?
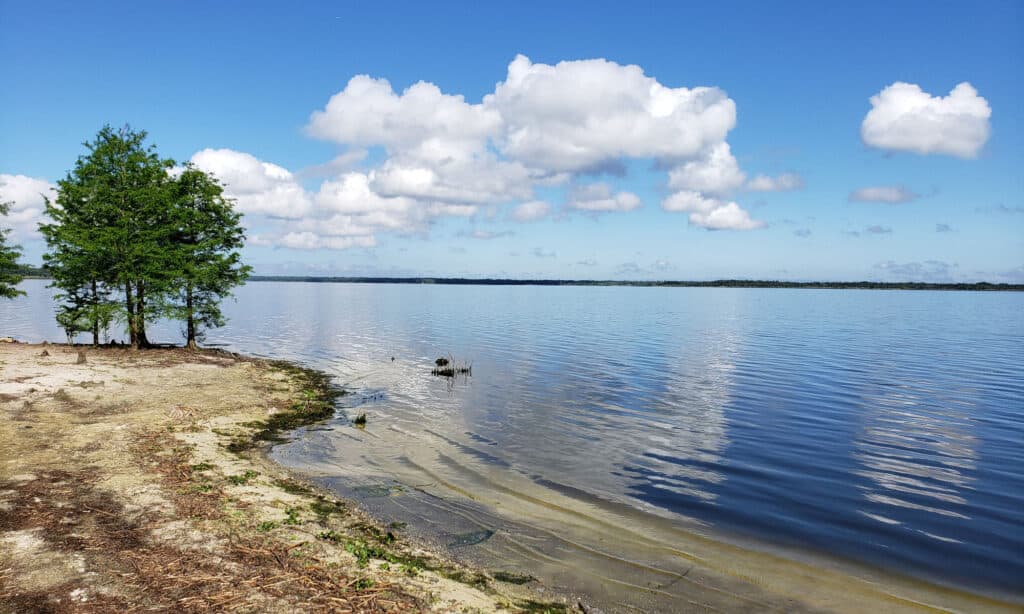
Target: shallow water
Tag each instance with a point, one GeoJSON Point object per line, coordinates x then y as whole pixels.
{"type": "Point", "coordinates": [880, 427]}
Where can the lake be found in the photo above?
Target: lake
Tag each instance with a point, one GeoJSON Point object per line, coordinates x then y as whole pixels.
{"type": "Point", "coordinates": [871, 429]}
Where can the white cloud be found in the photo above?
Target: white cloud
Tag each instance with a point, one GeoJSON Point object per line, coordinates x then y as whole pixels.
{"type": "Point", "coordinates": [715, 172]}
{"type": "Point", "coordinates": [437, 143]}
{"type": "Point", "coordinates": [710, 213]}
{"type": "Point", "coordinates": [311, 240]}
{"type": "Point", "coordinates": [580, 115]}
{"type": "Point", "coordinates": [543, 126]}
{"type": "Point", "coordinates": [892, 195]}
{"type": "Point", "coordinates": [531, 211]}
{"type": "Point", "coordinates": [257, 186]}
{"type": "Point", "coordinates": [905, 118]}
{"type": "Point", "coordinates": [599, 198]}
{"type": "Point", "coordinates": [786, 182]}
{"type": "Point", "coordinates": [344, 212]}
{"type": "Point", "coordinates": [422, 119]}
{"type": "Point", "coordinates": [27, 195]}
{"type": "Point", "coordinates": [480, 178]}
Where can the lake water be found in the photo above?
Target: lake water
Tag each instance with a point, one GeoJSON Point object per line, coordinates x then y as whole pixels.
{"type": "Point", "coordinates": [882, 428]}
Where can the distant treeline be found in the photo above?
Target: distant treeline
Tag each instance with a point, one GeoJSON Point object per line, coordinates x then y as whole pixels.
{"type": "Point", "coordinates": [39, 272]}
{"type": "Point", "coordinates": [718, 283]}
{"type": "Point", "coordinates": [29, 271]}
{"type": "Point", "coordinates": [36, 272]}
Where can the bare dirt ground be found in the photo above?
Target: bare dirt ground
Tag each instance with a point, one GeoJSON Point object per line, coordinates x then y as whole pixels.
{"type": "Point", "coordinates": [134, 481]}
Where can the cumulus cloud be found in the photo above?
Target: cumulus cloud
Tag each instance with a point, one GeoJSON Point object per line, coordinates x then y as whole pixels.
{"type": "Point", "coordinates": [578, 115]}
{"type": "Point", "coordinates": [28, 196]}
{"type": "Point", "coordinates": [421, 120]}
{"type": "Point", "coordinates": [892, 195]}
{"type": "Point", "coordinates": [715, 172]}
{"type": "Point", "coordinates": [436, 154]}
{"type": "Point", "coordinates": [599, 198]}
{"type": "Point", "coordinates": [542, 126]}
{"type": "Point", "coordinates": [786, 182]}
{"type": "Point", "coordinates": [905, 118]}
{"type": "Point", "coordinates": [256, 186]}
{"type": "Point", "coordinates": [710, 213]}
{"type": "Point", "coordinates": [878, 230]}
{"type": "Point", "coordinates": [311, 240]}
{"type": "Point", "coordinates": [344, 212]}
{"type": "Point", "coordinates": [531, 211]}
{"type": "Point", "coordinates": [943, 228]}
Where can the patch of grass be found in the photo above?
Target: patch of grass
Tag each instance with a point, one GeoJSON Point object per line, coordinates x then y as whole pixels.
{"type": "Point", "coordinates": [532, 606]}
{"type": "Point", "coordinates": [384, 537]}
{"type": "Point", "coordinates": [266, 526]}
{"type": "Point", "coordinates": [293, 487]}
{"type": "Point", "coordinates": [202, 467]}
{"type": "Point", "coordinates": [364, 552]}
{"type": "Point", "coordinates": [512, 577]}
{"type": "Point", "coordinates": [202, 487]}
{"type": "Point", "coordinates": [324, 509]}
{"type": "Point", "coordinates": [243, 479]}
{"type": "Point", "coordinates": [360, 420]}
{"type": "Point", "coordinates": [385, 566]}
{"type": "Point", "coordinates": [469, 578]}
{"type": "Point", "coordinates": [398, 526]}
{"type": "Point", "coordinates": [363, 583]}
{"type": "Point", "coordinates": [292, 516]}
{"type": "Point", "coordinates": [316, 402]}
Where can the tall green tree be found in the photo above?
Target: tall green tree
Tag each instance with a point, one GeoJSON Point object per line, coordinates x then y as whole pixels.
{"type": "Point", "coordinates": [9, 273]}
{"type": "Point", "coordinates": [78, 263]}
{"type": "Point", "coordinates": [112, 225]}
{"type": "Point", "coordinates": [206, 263]}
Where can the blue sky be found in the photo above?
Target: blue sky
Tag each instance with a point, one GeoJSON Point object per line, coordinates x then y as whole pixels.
{"type": "Point", "coordinates": [780, 167]}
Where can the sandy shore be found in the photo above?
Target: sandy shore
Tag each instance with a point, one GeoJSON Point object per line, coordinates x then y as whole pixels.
{"type": "Point", "coordinates": [136, 481]}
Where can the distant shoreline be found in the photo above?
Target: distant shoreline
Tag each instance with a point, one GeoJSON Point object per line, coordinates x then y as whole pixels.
{"type": "Point", "coordinates": [984, 286]}
{"type": "Point", "coordinates": [719, 283]}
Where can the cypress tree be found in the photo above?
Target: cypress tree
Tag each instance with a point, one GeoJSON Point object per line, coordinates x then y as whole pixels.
{"type": "Point", "coordinates": [9, 273]}
{"type": "Point", "coordinates": [111, 232]}
{"type": "Point", "coordinates": [206, 263]}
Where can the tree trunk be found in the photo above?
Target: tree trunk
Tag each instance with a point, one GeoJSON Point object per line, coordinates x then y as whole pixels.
{"type": "Point", "coordinates": [129, 301]}
{"type": "Point", "coordinates": [140, 314]}
{"type": "Point", "coordinates": [95, 316]}
{"type": "Point", "coordinates": [190, 342]}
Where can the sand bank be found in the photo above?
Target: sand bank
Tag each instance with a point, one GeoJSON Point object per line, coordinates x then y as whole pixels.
{"type": "Point", "coordinates": [136, 481]}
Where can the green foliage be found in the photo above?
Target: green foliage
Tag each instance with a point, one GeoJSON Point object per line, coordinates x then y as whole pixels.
{"type": "Point", "coordinates": [243, 479]}
{"type": "Point", "coordinates": [130, 243]}
{"type": "Point", "coordinates": [10, 272]}
{"type": "Point", "coordinates": [205, 264]}
{"type": "Point", "coordinates": [292, 516]}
